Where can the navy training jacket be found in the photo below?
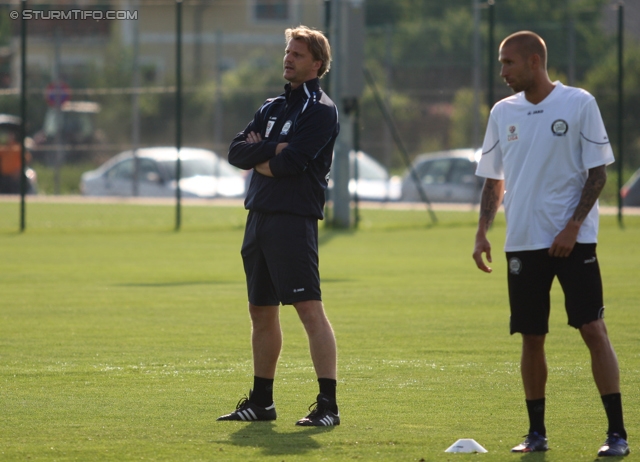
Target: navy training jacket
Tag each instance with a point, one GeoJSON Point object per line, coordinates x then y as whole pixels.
{"type": "Point", "coordinates": [307, 119]}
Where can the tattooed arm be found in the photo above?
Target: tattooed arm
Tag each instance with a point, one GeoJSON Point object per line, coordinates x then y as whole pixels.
{"type": "Point", "coordinates": [566, 239]}
{"type": "Point", "coordinates": [492, 193]}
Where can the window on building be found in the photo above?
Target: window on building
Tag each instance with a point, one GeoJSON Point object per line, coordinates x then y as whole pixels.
{"type": "Point", "coordinates": [272, 10]}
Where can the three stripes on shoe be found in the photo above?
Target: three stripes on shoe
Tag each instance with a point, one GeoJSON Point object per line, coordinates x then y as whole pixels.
{"type": "Point", "coordinates": [248, 415]}
{"type": "Point", "coordinates": [327, 421]}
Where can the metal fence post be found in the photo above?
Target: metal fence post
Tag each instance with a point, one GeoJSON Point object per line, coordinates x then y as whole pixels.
{"type": "Point", "coordinates": [178, 109]}
{"type": "Point", "coordinates": [23, 115]}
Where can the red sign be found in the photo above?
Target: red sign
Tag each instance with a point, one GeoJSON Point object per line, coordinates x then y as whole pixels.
{"type": "Point", "coordinates": [57, 93]}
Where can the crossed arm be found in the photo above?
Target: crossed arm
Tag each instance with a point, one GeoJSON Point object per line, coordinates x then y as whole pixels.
{"type": "Point", "coordinates": [263, 167]}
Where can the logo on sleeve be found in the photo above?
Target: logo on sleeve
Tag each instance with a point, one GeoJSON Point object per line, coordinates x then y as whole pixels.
{"type": "Point", "coordinates": [512, 132]}
{"type": "Point", "coordinates": [270, 125]}
{"type": "Point", "coordinates": [559, 127]}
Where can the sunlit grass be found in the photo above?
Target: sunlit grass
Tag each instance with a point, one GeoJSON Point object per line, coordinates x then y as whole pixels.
{"type": "Point", "coordinates": [121, 339]}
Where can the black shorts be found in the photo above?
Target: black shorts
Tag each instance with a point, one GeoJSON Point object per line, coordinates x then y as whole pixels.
{"type": "Point", "coordinates": [530, 277]}
{"type": "Point", "coordinates": [280, 256]}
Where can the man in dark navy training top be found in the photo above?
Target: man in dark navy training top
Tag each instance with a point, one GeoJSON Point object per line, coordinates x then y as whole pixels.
{"type": "Point", "coordinates": [289, 146]}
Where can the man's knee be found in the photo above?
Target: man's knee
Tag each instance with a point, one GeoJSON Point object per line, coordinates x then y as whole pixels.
{"type": "Point", "coordinates": [263, 315]}
{"type": "Point", "coordinates": [533, 342]}
{"type": "Point", "coordinates": [309, 306]}
{"type": "Point", "coordinates": [594, 333]}
{"type": "Point", "coordinates": [311, 313]}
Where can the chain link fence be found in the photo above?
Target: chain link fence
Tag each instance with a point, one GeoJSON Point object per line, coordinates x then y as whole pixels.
{"type": "Point", "coordinates": [101, 75]}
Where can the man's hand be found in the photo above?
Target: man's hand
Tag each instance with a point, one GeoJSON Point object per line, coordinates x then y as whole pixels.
{"type": "Point", "coordinates": [253, 137]}
{"type": "Point", "coordinates": [565, 241]}
{"type": "Point", "coordinates": [492, 193]}
{"type": "Point", "coordinates": [482, 246]}
{"type": "Point", "coordinates": [263, 168]}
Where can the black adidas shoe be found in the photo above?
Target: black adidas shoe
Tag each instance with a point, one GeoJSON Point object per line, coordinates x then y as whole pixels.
{"type": "Point", "coordinates": [321, 415]}
{"type": "Point", "coordinates": [250, 412]}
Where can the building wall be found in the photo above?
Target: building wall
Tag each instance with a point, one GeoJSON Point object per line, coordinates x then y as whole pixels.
{"type": "Point", "coordinates": [217, 34]}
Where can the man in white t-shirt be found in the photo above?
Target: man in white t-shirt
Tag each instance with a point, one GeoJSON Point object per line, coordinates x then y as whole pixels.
{"type": "Point", "coordinates": [545, 152]}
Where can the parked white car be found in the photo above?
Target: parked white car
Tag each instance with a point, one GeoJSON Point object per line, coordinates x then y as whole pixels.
{"type": "Point", "coordinates": [202, 174]}
{"type": "Point", "coordinates": [370, 180]}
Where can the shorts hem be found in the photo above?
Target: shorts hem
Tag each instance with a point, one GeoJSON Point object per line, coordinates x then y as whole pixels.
{"type": "Point", "coordinates": [305, 299]}
{"type": "Point", "coordinates": [517, 331]}
{"type": "Point", "coordinates": [582, 322]}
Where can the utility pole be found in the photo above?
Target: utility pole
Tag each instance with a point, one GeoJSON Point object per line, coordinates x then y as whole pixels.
{"type": "Point", "coordinates": [340, 166]}
{"type": "Point", "coordinates": [347, 81]}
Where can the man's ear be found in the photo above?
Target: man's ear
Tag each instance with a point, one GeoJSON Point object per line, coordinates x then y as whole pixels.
{"type": "Point", "coordinates": [535, 61]}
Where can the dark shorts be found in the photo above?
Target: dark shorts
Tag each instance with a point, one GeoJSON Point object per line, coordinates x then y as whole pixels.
{"type": "Point", "coordinates": [280, 256]}
{"type": "Point", "coordinates": [530, 277]}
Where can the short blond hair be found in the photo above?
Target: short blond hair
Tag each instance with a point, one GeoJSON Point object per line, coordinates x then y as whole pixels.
{"type": "Point", "coordinates": [317, 43]}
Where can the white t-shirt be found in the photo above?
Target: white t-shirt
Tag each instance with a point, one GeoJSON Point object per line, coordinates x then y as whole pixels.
{"type": "Point", "coordinates": [544, 152]}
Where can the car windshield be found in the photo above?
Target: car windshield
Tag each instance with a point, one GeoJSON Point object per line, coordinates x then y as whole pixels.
{"type": "Point", "coordinates": [436, 171]}
{"type": "Point", "coordinates": [198, 167]}
{"type": "Point", "coordinates": [463, 171]}
{"type": "Point", "coordinates": [78, 124]}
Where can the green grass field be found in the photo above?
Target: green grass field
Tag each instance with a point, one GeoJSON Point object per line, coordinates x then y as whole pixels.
{"type": "Point", "coordinates": [121, 339]}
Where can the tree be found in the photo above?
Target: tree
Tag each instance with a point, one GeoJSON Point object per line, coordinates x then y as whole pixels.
{"type": "Point", "coordinates": [425, 52]}
{"type": "Point", "coordinates": [601, 82]}
{"type": "Point", "coordinates": [460, 133]}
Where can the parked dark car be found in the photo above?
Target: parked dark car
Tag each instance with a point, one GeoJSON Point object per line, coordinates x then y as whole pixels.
{"type": "Point", "coordinates": [630, 192]}
{"type": "Point", "coordinates": [446, 176]}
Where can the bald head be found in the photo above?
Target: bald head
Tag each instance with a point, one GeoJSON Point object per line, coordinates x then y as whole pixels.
{"type": "Point", "coordinates": [527, 43]}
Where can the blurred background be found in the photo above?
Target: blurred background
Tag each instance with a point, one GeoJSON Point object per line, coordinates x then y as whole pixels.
{"type": "Point", "coordinates": [100, 85]}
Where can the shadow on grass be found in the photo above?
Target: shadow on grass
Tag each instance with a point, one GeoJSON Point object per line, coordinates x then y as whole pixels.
{"type": "Point", "coordinates": [327, 234]}
{"type": "Point", "coordinates": [175, 284]}
{"type": "Point", "coordinates": [204, 283]}
{"type": "Point", "coordinates": [534, 457]}
{"type": "Point", "coordinates": [262, 435]}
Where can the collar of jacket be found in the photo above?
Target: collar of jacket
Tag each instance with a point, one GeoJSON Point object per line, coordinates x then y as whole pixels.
{"type": "Point", "coordinates": [303, 91]}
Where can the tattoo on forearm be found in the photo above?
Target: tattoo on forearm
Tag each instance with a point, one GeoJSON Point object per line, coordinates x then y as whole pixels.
{"type": "Point", "coordinates": [590, 193]}
{"type": "Point", "coordinates": [491, 196]}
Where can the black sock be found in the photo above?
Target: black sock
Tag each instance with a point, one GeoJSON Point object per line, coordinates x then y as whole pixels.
{"type": "Point", "coordinates": [262, 393]}
{"type": "Point", "coordinates": [535, 408]}
{"type": "Point", "coordinates": [328, 387]}
{"type": "Point", "coordinates": [613, 407]}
